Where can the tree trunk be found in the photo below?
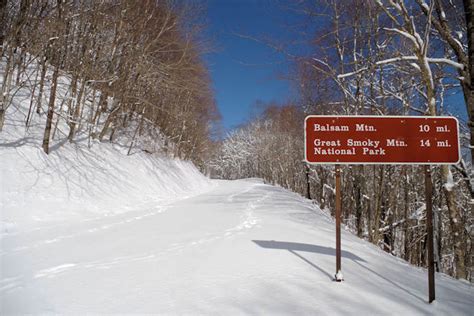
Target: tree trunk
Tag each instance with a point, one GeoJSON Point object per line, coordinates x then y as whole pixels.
{"type": "Point", "coordinates": [469, 11]}
{"type": "Point", "coordinates": [41, 87]}
{"type": "Point", "coordinates": [457, 227]}
{"type": "Point", "coordinates": [5, 89]}
{"type": "Point", "coordinates": [3, 6]}
{"type": "Point", "coordinates": [110, 118]}
{"type": "Point", "coordinates": [358, 199]}
{"type": "Point", "coordinates": [378, 204]}
{"type": "Point", "coordinates": [32, 100]}
{"type": "Point", "coordinates": [454, 212]}
{"type": "Point", "coordinates": [2, 118]}
{"type": "Point", "coordinates": [77, 110]}
{"type": "Point", "coordinates": [49, 118]}
{"type": "Point", "coordinates": [406, 225]}
{"type": "Point", "coordinates": [308, 185]}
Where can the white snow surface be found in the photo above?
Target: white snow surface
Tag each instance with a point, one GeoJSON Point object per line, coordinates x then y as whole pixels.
{"type": "Point", "coordinates": [75, 182]}
{"type": "Point", "coordinates": [93, 231]}
{"type": "Point", "coordinates": [241, 248]}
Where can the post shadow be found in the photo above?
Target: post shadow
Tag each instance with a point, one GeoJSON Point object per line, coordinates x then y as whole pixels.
{"type": "Point", "coordinates": [293, 247]}
{"type": "Point", "coordinates": [391, 282]}
{"type": "Point", "coordinates": [312, 264]}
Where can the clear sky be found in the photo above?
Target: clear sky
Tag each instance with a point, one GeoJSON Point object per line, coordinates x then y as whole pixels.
{"type": "Point", "coordinates": [242, 70]}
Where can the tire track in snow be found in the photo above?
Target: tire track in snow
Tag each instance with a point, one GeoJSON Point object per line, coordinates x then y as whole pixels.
{"type": "Point", "coordinates": [248, 220]}
{"type": "Point", "coordinates": [10, 284]}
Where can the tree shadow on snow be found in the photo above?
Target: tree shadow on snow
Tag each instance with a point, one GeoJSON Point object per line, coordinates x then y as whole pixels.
{"type": "Point", "coordinates": [19, 142]}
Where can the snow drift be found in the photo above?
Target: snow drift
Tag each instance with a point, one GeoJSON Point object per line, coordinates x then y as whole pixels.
{"type": "Point", "coordinates": [75, 181]}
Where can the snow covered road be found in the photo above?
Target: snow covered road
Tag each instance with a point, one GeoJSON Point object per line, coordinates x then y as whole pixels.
{"type": "Point", "coordinates": [241, 248]}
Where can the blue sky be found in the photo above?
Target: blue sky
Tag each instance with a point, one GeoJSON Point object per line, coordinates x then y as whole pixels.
{"type": "Point", "coordinates": [244, 71]}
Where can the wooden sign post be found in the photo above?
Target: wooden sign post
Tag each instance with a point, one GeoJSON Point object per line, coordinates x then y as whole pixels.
{"type": "Point", "coordinates": [429, 230]}
{"type": "Point", "coordinates": [338, 276]}
{"type": "Point", "coordinates": [391, 140]}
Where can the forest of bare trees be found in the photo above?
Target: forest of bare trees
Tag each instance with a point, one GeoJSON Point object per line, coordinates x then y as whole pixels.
{"type": "Point", "coordinates": [130, 68]}
{"type": "Point", "coordinates": [380, 57]}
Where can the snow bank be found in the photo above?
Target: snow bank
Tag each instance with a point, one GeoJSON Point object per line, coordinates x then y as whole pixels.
{"type": "Point", "coordinates": [75, 181]}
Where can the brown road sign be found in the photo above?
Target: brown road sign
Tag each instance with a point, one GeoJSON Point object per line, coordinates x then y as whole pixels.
{"type": "Point", "coordinates": [381, 140]}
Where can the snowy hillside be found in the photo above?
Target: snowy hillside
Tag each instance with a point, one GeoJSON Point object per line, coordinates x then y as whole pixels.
{"type": "Point", "coordinates": [75, 182]}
